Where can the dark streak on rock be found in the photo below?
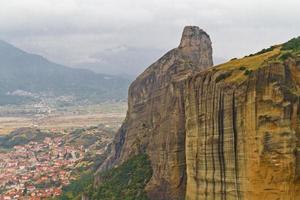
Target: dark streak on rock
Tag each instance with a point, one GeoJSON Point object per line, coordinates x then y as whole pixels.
{"type": "Point", "coordinates": [235, 145]}
{"type": "Point", "coordinates": [221, 146]}
{"type": "Point", "coordinates": [212, 145]}
{"type": "Point", "coordinates": [197, 97]}
{"type": "Point", "coordinates": [205, 148]}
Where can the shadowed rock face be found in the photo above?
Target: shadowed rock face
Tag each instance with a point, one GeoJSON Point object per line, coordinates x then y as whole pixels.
{"type": "Point", "coordinates": [196, 46]}
{"type": "Point", "coordinates": [211, 138]}
{"type": "Point", "coordinates": [155, 121]}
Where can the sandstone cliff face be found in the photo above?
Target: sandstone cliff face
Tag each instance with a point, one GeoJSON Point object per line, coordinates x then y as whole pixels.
{"type": "Point", "coordinates": [217, 133]}
{"type": "Point", "coordinates": [155, 121]}
{"type": "Point", "coordinates": [242, 140]}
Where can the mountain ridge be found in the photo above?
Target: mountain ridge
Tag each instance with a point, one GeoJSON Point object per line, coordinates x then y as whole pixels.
{"type": "Point", "coordinates": [33, 73]}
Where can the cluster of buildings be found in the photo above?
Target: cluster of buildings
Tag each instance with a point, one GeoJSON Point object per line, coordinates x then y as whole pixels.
{"type": "Point", "coordinates": [37, 170]}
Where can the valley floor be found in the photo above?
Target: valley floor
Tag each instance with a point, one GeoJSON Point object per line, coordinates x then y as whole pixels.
{"type": "Point", "coordinates": [42, 152]}
{"type": "Point", "coordinates": [58, 119]}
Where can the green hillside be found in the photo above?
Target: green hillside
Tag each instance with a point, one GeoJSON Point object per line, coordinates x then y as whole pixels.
{"type": "Point", "coordinates": [125, 182]}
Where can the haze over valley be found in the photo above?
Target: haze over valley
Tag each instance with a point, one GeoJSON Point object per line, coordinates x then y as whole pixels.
{"type": "Point", "coordinates": [56, 123]}
{"type": "Point", "coordinates": [149, 100]}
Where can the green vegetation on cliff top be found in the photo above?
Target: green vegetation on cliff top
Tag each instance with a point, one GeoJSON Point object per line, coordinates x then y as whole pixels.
{"type": "Point", "coordinates": [293, 44]}
{"type": "Point", "coordinates": [236, 70]}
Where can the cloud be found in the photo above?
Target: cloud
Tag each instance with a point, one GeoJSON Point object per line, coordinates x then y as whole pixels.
{"type": "Point", "coordinates": [71, 31]}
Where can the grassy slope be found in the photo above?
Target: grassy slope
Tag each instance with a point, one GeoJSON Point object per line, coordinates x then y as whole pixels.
{"type": "Point", "coordinates": [238, 69]}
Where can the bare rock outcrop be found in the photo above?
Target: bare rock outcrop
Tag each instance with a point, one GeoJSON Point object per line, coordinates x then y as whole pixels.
{"type": "Point", "coordinates": [242, 139]}
{"type": "Point", "coordinates": [155, 121]}
{"type": "Point", "coordinates": [225, 132]}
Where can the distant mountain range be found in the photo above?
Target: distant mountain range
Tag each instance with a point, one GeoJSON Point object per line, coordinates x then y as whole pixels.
{"type": "Point", "coordinates": [26, 77]}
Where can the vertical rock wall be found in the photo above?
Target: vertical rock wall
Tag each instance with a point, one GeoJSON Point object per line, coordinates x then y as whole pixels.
{"type": "Point", "coordinates": [155, 121]}
{"type": "Point", "coordinates": [209, 138]}
{"type": "Point", "coordinates": [242, 140]}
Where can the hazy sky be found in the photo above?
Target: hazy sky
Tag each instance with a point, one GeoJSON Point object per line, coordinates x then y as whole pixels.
{"type": "Point", "coordinates": [97, 32]}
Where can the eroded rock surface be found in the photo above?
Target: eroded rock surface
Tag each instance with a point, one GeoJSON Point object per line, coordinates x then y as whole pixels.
{"type": "Point", "coordinates": [155, 122]}
{"type": "Point", "coordinates": [242, 140]}
{"type": "Point", "coordinates": [214, 133]}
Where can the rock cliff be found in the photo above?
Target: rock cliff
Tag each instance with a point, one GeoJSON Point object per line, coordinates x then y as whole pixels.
{"type": "Point", "coordinates": [224, 132]}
